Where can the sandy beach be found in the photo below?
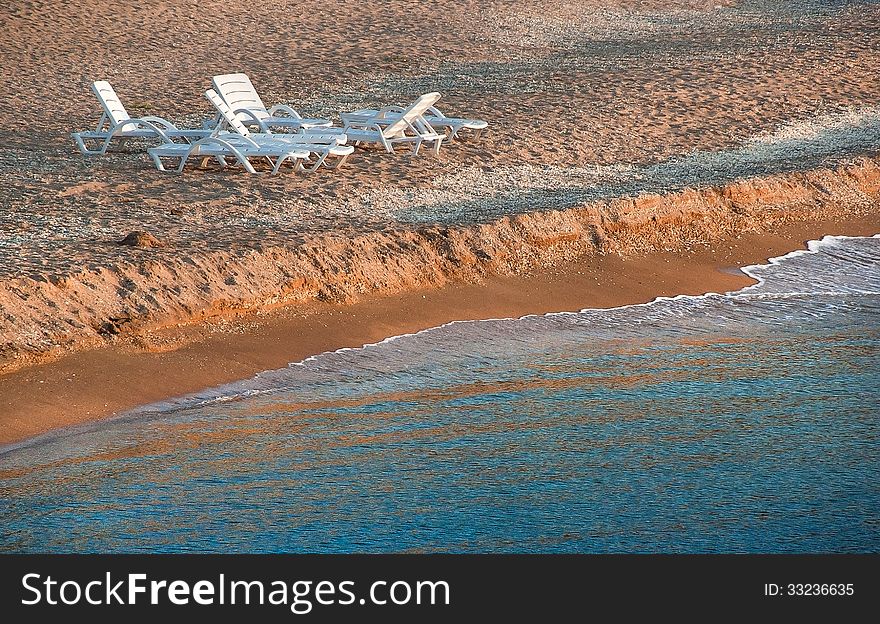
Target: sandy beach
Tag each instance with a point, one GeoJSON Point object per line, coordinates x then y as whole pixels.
{"type": "Point", "coordinates": [173, 361]}
{"type": "Point", "coordinates": [635, 150]}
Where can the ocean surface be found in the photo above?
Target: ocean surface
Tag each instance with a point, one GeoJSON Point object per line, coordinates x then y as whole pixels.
{"type": "Point", "coordinates": [738, 422]}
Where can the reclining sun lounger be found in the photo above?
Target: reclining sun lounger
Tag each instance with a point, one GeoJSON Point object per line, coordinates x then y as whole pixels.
{"type": "Point", "coordinates": [116, 123]}
{"type": "Point", "coordinates": [405, 126]}
{"type": "Point", "coordinates": [242, 145]}
{"type": "Point", "coordinates": [320, 144]}
{"type": "Point", "coordinates": [239, 93]}
{"type": "Point", "coordinates": [433, 116]}
{"type": "Point", "coordinates": [229, 145]}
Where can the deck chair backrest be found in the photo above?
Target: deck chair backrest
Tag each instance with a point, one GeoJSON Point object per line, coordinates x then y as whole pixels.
{"type": "Point", "coordinates": [224, 110]}
{"type": "Point", "coordinates": [110, 102]}
{"type": "Point", "coordinates": [412, 112]}
{"type": "Point", "coordinates": [238, 92]}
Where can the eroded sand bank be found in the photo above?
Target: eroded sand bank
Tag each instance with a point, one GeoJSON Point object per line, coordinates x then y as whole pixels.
{"type": "Point", "coordinates": [623, 134]}
{"type": "Point", "coordinates": [45, 316]}
{"type": "Point", "coordinates": [92, 384]}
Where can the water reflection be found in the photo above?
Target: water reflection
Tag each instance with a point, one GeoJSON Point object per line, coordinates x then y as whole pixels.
{"type": "Point", "coordinates": [744, 422]}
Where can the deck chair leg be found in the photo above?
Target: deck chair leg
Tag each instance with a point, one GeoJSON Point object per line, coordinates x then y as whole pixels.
{"type": "Point", "coordinates": [158, 162]}
{"type": "Point", "coordinates": [340, 161]}
{"type": "Point", "coordinates": [182, 163]}
{"type": "Point", "coordinates": [81, 144]}
{"type": "Point", "coordinates": [297, 165]}
{"type": "Point", "coordinates": [317, 164]}
{"type": "Point", "coordinates": [244, 162]}
{"type": "Point", "coordinates": [103, 149]}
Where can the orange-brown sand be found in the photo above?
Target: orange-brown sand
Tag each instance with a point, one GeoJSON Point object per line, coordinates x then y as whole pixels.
{"type": "Point", "coordinates": [589, 103]}
{"type": "Point", "coordinates": [95, 384]}
{"type": "Point", "coordinates": [630, 141]}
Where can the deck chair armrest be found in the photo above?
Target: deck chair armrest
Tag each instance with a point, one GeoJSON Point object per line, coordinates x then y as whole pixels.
{"type": "Point", "coordinates": [420, 125]}
{"type": "Point", "coordinates": [159, 121]}
{"type": "Point", "coordinates": [287, 110]}
{"type": "Point", "coordinates": [434, 111]}
{"type": "Point", "coordinates": [383, 112]}
{"type": "Point", "coordinates": [252, 118]}
{"type": "Point", "coordinates": [141, 123]}
{"type": "Point", "coordinates": [366, 124]}
{"type": "Point", "coordinates": [222, 142]}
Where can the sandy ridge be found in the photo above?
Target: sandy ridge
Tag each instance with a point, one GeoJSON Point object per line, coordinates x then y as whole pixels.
{"type": "Point", "coordinates": [47, 316]}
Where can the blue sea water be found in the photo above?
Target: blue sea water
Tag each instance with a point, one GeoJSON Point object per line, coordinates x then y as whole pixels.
{"type": "Point", "coordinates": [738, 422]}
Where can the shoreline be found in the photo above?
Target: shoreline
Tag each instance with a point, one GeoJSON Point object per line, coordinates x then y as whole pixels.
{"type": "Point", "coordinates": [95, 384]}
{"type": "Point", "coordinates": [48, 314]}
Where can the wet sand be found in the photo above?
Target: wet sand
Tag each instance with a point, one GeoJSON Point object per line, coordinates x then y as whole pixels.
{"type": "Point", "coordinates": [94, 384]}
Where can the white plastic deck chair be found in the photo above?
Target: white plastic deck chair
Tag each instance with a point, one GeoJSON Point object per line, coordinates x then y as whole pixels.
{"type": "Point", "coordinates": [225, 146]}
{"type": "Point", "coordinates": [242, 145]}
{"type": "Point", "coordinates": [116, 123]}
{"type": "Point", "coordinates": [406, 126]}
{"type": "Point", "coordinates": [321, 145]}
{"type": "Point", "coordinates": [434, 116]}
{"type": "Point", "coordinates": [239, 93]}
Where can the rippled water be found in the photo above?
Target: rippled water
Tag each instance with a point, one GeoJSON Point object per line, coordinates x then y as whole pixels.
{"type": "Point", "coordinates": [738, 422]}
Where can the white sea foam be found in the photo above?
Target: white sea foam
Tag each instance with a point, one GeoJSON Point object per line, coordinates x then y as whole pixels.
{"type": "Point", "coordinates": [833, 284]}
{"type": "Point", "coordinates": [810, 282]}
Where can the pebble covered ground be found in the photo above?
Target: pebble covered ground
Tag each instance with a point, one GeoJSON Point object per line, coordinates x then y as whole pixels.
{"type": "Point", "coordinates": [586, 100]}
